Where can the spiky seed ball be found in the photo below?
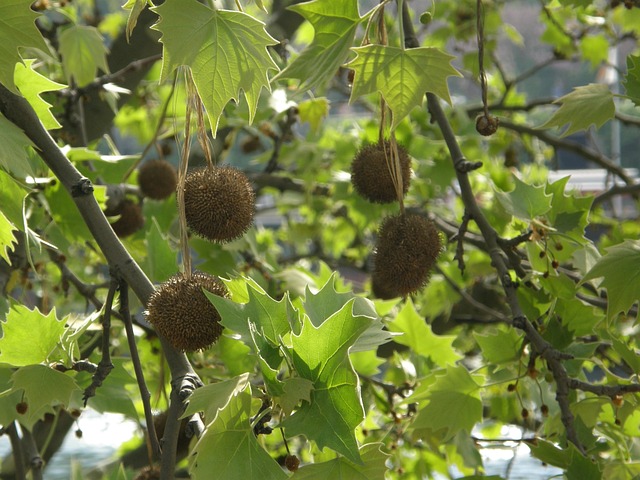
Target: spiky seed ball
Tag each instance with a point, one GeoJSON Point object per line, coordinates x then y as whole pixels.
{"type": "Point", "coordinates": [181, 312]}
{"type": "Point", "coordinates": [219, 203]}
{"type": "Point", "coordinates": [157, 179]}
{"type": "Point", "coordinates": [407, 249]}
{"type": "Point", "coordinates": [370, 174]}
{"type": "Point", "coordinates": [131, 219]}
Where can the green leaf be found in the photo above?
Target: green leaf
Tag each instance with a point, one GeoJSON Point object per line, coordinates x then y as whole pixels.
{"type": "Point", "coordinates": [547, 452]}
{"type": "Point", "coordinates": [321, 354]}
{"type": "Point", "coordinates": [13, 149]}
{"type": "Point", "coordinates": [229, 447]}
{"type": "Point", "coordinates": [525, 202]}
{"type": "Point", "coordinates": [372, 467]}
{"type": "Point", "coordinates": [579, 318]}
{"type": "Point", "coordinates": [620, 270]}
{"type": "Point", "coordinates": [226, 51]}
{"type": "Point", "coordinates": [161, 258]}
{"type": "Point", "coordinates": [401, 76]}
{"type": "Point", "coordinates": [500, 346]}
{"type": "Point", "coordinates": [632, 79]}
{"type": "Point", "coordinates": [135, 8]}
{"type": "Point", "coordinates": [31, 84]}
{"type": "Point", "coordinates": [325, 302]}
{"type": "Point", "coordinates": [295, 390]}
{"type": "Point", "coordinates": [335, 25]}
{"type": "Point", "coordinates": [314, 111]}
{"type": "Point", "coordinates": [17, 30]}
{"type": "Point", "coordinates": [11, 198]}
{"type": "Point", "coordinates": [43, 389]}
{"type": "Point", "coordinates": [587, 105]}
{"type": "Point", "coordinates": [210, 399]}
{"type": "Point", "coordinates": [569, 214]}
{"type": "Point", "coordinates": [7, 238]}
{"type": "Point", "coordinates": [595, 49]}
{"type": "Point", "coordinates": [417, 335]}
{"type": "Point", "coordinates": [581, 467]}
{"type": "Point", "coordinates": [28, 336]}
{"type": "Point", "coordinates": [83, 53]}
{"type": "Point", "coordinates": [454, 403]}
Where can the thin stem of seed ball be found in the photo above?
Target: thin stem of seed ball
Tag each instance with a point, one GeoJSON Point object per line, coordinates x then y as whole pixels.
{"type": "Point", "coordinates": [182, 175]}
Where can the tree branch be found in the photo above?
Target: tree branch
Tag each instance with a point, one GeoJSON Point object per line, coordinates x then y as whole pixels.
{"type": "Point", "coordinates": [17, 110]}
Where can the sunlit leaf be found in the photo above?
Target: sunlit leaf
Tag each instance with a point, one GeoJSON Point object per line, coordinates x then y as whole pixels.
{"type": "Point", "coordinates": [7, 238]}
{"type": "Point", "coordinates": [28, 336]}
{"type": "Point", "coordinates": [83, 53]}
{"type": "Point", "coordinates": [135, 8]}
{"type": "Point", "coordinates": [335, 25]}
{"type": "Point", "coordinates": [372, 467]}
{"type": "Point", "coordinates": [17, 30]}
{"type": "Point", "coordinates": [210, 399]}
{"type": "Point", "coordinates": [31, 84]}
{"type": "Point", "coordinates": [417, 334]}
{"type": "Point", "coordinates": [525, 201]}
{"type": "Point", "coordinates": [454, 403]}
{"type": "Point", "coordinates": [43, 389]}
{"type": "Point", "coordinates": [314, 111]}
{"type": "Point", "coordinates": [620, 273]}
{"type": "Point", "coordinates": [321, 355]}
{"type": "Point", "coordinates": [587, 105]}
{"type": "Point", "coordinates": [229, 447]}
{"type": "Point", "coordinates": [402, 76]}
{"type": "Point", "coordinates": [227, 53]}
{"type": "Point", "coordinates": [295, 390]}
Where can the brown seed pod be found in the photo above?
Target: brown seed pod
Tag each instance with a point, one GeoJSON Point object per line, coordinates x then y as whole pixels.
{"type": "Point", "coordinates": [219, 203]}
{"type": "Point", "coordinates": [157, 179]}
{"type": "Point", "coordinates": [370, 174]}
{"type": "Point", "coordinates": [150, 472]}
{"type": "Point", "coordinates": [487, 125]}
{"type": "Point", "coordinates": [131, 219]}
{"type": "Point", "coordinates": [292, 463]}
{"type": "Point", "coordinates": [408, 246]}
{"type": "Point", "coordinates": [181, 312]}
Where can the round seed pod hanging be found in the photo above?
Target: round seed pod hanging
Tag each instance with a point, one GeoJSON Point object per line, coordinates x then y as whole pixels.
{"type": "Point", "coordinates": [157, 179]}
{"type": "Point", "coordinates": [219, 203]}
{"type": "Point", "coordinates": [180, 311]}
{"type": "Point", "coordinates": [371, 176]}
{"type": "Point", "coordinates": [407, 249]}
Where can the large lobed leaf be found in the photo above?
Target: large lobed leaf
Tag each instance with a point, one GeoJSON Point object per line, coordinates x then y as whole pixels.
{"type": "Point", "coordinates": [226, 51]}
{"type": "Point", "coordinates": [401, 76]}
{"type": "Point", "coordinates": [83, 53]}
{"type": "Point", "coordinates": [229, 448]}
{"type": "Point", "coordinates": [321, 355]}
{"type": "Point", "coordinates": [335, 25]}
{"type": "Point", "coordinates": [17, 29]}
{"type": "Point", "coordinates": [31, 84]}
{"type": "Point", "coordinates": [620, 273]}
{"type": "Point", "coordinates": [372, 467]}
{"type": "Point", "coordinates": [587, 105]}
{"type": "Point", "coordinates": [525, 202]}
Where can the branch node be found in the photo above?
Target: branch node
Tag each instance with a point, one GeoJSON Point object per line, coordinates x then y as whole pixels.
{"type": "Point", "coordinates": [186, 386]}
{"type": "Point", "coordinates": [194, 427]}
{"type": "Point", "coordinates": [465, 166]}
{"type": "Point", "coordinates": [81, 188]}
{"type": "Point", "coordinates": [520, 322]}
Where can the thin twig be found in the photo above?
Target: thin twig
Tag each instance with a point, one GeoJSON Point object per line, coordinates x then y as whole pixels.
{"type": "Point", "coordinates": [18, 452]}
{"type": "Point", "coordinates": [32, 455]}
{"type": "Point", "coordinates": [137, 367]}
{"type": "Point", "coordinates": [106, 365]}
{"type": "Point", "coordinates": [285, 131]}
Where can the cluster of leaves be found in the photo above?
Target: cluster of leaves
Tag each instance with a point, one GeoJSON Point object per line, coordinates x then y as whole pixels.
{"type": "Point", "coordinates": [528, 320]}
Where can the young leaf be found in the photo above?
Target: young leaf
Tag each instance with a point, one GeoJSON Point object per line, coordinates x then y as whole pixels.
{"type": "Point", "coordinates": [7, 238]}
{"type": "Point", "coordinates": [229, 447]}
{"type": "Point", "coordinates": [31, 84]}
{"type": "Point", "coordinates": [135, 8]}
{"type": "Point", "coordinates": [632, 79]}
{"type": "Point", "coordinates": [29, 337]}
{"type": "Point", "coordinates": [83, 53]}
{"type": "Point", "coordinates": [335, 25]}
{"type": "Point", "coordinates": [43, 389]}
{"type": "Point", "coordinates": [402, 76]}
{"type": "Point", "coordinates": [454, 403]}
{"type": "Point", "coordinates": [587, 105]}
{"type": "Point", "coordinates": [314, 111]}
{"type": "Point", "coordinates": [321, 355]}
{"type": "Point", "coordinates": [17, 29]}
{"type": "Point", "coordinates": [620, 270]}
{"type": "Point", "coordinates": [210, 399]}
{"type": "Point", "coordinates": [227, 52]}
{"type": "Point", "coordinates": [372, 467]}
{"type": "Point", "coordinates": [525, 202]}
{"type": "Point", "coordinates": [418, 335]}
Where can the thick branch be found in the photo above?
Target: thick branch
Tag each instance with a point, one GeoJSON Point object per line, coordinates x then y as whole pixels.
{"type": "Point", "coordinates": [17, 110]}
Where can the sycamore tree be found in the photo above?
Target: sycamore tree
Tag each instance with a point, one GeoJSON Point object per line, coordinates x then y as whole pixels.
{"type": "Point", "coordinates": [320, 239]}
